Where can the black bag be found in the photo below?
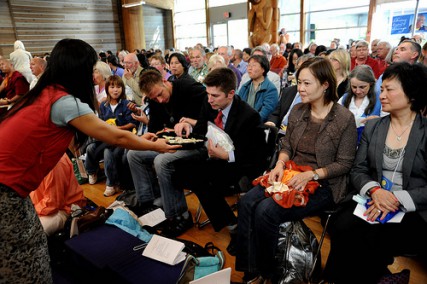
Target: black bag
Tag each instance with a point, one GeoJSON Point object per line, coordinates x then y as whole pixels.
{"type": "Point", "coordinates": [197, 250]}
{"type": "Point", "coordinates": [295, 255]}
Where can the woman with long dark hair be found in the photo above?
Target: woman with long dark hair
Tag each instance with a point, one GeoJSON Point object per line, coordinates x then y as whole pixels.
{"type": "Point", "coordinates": [35, 133]}
{"type": "Point", "coordinates": [292, 62]}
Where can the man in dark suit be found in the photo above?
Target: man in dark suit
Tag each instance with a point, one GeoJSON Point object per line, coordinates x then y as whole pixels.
{"type": "Point", "coordinates": [208, 178]}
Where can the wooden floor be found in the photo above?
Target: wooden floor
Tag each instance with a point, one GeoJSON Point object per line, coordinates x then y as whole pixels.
{"type": "Point", "coordinates": [221, 239]}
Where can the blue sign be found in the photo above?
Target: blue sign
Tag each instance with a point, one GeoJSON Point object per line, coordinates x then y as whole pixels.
{"type": "Point", "coordinates": [401, 24]}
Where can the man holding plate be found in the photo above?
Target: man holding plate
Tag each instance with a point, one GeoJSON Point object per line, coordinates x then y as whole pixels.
{"type": "Point", "coordinates": [168, 102]}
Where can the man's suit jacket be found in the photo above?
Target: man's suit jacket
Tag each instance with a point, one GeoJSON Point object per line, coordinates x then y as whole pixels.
{"type": "Point", "coordinates": [286, 99]}
{"type": "Point", "coordinates": [244, 127]}
{"type": "Point", "coordinates": [368, 164]}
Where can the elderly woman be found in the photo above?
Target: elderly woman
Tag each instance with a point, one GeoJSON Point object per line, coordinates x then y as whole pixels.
{"type": "Point", "coordinates": [390, 169]}
{"type": "Point", "coordinates": [101, 72]}
{"type": "Point", "coordinates": [321, 134]}
{"type": "Point", "coordinates": [178, 66]}
{"type": "Point", "coordinates": [259, 92]}
{"type": "Point", "coordinates": [340, 60]}
{"type": "Point", "coordinates": [216, 61]}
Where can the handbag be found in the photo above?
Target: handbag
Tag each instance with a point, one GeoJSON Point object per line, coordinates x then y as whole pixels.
{"type": "Point", "coordinates": [93, 218]}
{"type": "Point", "coordinates": [296, 252]}
{"type": "Point", "coordinates": [198, 267]}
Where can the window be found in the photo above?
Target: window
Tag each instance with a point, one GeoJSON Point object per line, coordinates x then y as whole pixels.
{"type": "Point", "coordinates": [393, 20]}
{"type": "Point", "coordinates": [217, 3]}
{"type": "Point", "coordinates": [190, 23]}
{"type": "Point", "coordinates": [344, 24]}
{"type": "Point", "coordinates": [290, 18]}
{"type": "Point", "coordinates": [330, 19]}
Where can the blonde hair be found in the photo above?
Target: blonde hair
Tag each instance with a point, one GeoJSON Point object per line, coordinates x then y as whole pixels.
{"type": "Point", "coordinates": [216, 61]}
{"type": "Point", "coordinates": [103, 69]}
{"type": "Point", "coordinates": [343, 58]}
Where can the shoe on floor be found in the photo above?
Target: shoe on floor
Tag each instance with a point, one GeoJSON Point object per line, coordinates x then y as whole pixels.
{"type": "Point", "coordinates": [93, 178]}
{"type": "Point", "coordinates": [110, 190]}
{"type": "Point", "coordinates": [177, 226]}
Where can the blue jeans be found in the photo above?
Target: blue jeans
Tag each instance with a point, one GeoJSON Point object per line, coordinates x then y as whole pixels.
{"type": "Point", "coordinates": [152, 171]}
{"type": "Point", "coordinates": [259, 218]}
{"type": "Point", "coordinates": [112, 161]}
{"type": "Point", "coordinates": [91, 162]}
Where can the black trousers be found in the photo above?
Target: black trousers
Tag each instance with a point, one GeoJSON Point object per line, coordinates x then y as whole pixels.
{"type": "Point", "coordinates": [210, 180]}
{"type": "Point", "coordinates": [360, 252]}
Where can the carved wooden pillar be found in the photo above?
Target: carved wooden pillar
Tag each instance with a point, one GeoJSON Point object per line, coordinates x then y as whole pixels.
{"type": "Point", "coordinates": [263, 23]}
{"type": "Point", "coordinates": [133, 26]}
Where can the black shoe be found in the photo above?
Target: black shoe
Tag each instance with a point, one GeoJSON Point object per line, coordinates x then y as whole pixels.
{"type": "Point", "coordinates": [232, 246]}
{"type": "Point", "coordinates": [177, 226]}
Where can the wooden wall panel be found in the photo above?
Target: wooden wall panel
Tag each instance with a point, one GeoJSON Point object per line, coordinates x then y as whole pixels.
{"type": "Point", "coordinates": [7, 34]}
{"type": "Point", "coordinates": [42, 23]}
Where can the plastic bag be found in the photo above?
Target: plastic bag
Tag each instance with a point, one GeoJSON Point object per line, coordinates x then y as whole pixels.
{"type": "Point", "coordinates": [219, 137]}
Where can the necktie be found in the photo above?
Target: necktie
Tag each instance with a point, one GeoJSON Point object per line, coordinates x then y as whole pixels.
{"type": "Point", "coordinates": [218, 120]}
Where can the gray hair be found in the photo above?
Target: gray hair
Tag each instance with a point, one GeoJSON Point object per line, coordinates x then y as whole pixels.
{"type": "Point", "coordinates": [103, 68]}
{"type": "Point", "coordinates": [202, 51]}
{"type": "Point", "coordinates": [362, 43]}
{"type": "Point", "coordinates": [259, 48]}
{"type": "Point", "coordinates": [386, 43]}
{"type": "Point", "coordinates": [229, 50]}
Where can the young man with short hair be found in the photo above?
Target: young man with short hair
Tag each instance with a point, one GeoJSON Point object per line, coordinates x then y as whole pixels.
{"type": "Point", "coordinates": [169, 102]}
{"type": "Point", "coordinates": [217, 168]}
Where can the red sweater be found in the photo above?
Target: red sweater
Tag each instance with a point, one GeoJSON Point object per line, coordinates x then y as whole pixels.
{"type": "Point", "coordinates": [31, 145]}
{"type": "Point", "coordinates": [278, 63]}
{"type": "Point", "coordinates": [15, 85]}
{"type": "Point", "coordinates": [371, 62]}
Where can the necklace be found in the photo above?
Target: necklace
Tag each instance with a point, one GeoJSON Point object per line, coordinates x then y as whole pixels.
{"type": "Point", "coordinates": [322, 113]}
{"type": "Point", "coordinates": [399, 137]}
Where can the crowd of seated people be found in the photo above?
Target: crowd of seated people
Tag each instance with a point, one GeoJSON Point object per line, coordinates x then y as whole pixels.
{"type": "Point", "coordinates": [354, 84]}
{"type": "Point", "coordinates": [318, 106]}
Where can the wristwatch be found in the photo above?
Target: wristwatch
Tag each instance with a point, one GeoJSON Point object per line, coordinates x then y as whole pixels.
{"type": "Point", "coordinates": [315, 176]}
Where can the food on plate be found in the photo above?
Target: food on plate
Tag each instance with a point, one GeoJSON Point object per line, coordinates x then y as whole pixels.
{"type": "Point", "coordinates": [181, 140]}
